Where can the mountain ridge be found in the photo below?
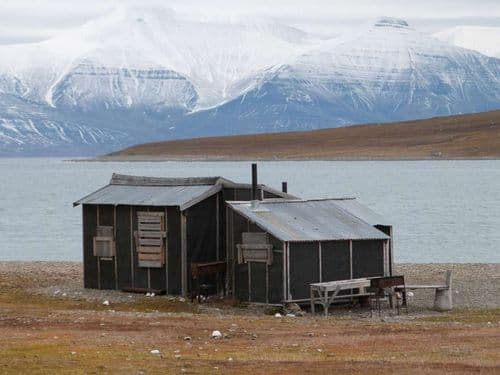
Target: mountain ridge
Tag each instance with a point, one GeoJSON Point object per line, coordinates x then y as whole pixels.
{"type": "Point", "coordinates": [137, 76]}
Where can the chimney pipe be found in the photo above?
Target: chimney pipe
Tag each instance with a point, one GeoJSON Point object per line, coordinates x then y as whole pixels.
{"type": "Point", "coordinates": [255, 195]}
{"type": "Point", "coordinates": [284, 187]}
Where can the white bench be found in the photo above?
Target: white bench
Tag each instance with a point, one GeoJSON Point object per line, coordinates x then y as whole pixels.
{"type": "Point", "coordinates": [327, 292]}
{"type": "Point", "coordinates": [443, 295]}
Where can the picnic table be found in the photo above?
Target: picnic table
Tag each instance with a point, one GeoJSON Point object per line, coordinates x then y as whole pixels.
{"type": "Point", "coordinates": [326, 293]}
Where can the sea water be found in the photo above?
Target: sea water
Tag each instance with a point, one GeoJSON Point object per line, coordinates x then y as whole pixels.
{"type": "Point", "coordinates": [442, 211]}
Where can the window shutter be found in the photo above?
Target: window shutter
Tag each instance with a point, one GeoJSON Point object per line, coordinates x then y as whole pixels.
{"type": "Point", "coordinates": [255, 248]}
{"type": "Point", "coordinates": [104, 242]}
{"type": "Point", "coordinates": [150, 239]}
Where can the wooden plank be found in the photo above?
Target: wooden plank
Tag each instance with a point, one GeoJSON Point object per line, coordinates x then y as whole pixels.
{"type": "Point", "coordinates": [150, 264]}
{"type": "Point", "coordinates": [254, 238]}
{"type": "Point", "coordinates": [150, 241]}
{"type": "Point", "coordinates": [147, 220]}
{"type": "Point", "coordinates": [150, 249]}
{"type": "Point", "coordinates": [155, 226]}
{"type": "Point", "coordinates": [149, 256]}
{"type": "Point", "coordinates": [147, 214]}
{"type": "Point", "coordinates": [151, 234]}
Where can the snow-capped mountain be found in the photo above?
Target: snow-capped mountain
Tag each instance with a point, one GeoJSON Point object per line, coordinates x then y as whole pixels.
{"type": "Point", "coordinates": [145, 75]}
{"type": "Point", "coordinates": [479, 38]}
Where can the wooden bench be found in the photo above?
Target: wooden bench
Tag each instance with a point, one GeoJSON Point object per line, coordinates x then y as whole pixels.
{"type": "Point", "coordinates": [326, 293]}
{"type": "Point", "coordinates": [443, 293]}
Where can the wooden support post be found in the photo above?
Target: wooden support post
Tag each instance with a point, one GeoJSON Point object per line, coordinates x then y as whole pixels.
{"type": "Point", "coordinates": [132, 248]}
{"type": "Point", "coordinates": [320, 262]}
{"type": "Point", "coordinates": [228, 268]}
{"type": "Point", "coordinates": [98, 258]}
{"type": "Point", "coordinates": [350, 259]}
{"type": "Point", "coordinates": [284, 272]}
{"type": "Point", "coordinates": [249, 282]}
{"type": "Point", "coordinates": [267, 283]}
{"type": "Point", "coordinates": [183, 255]}
{"type": "Point", "coordinates": [166, 250]}
{"type": "Point", "coordinates": [116, 247]}
{"type": "Point", "coordinates": [289, 296]}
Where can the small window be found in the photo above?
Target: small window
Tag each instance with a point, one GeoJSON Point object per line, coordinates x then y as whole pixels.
{"type": "Point", "coordinates": [104, 242]}
{"type": "Point", "coordinates": [255, 247]}
{"type": "Point", "coordinates": [150, 239]}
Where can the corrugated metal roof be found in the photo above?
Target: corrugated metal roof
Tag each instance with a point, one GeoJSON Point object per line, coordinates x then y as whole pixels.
{"type": "Point", "coordinates": [362, 211]}
{"type": "Point", "coordinates": [139, 195]}
{"type": "Point", "coordinates": [307, 220]}
{"type": "Point", "coordinates": [162, 191]}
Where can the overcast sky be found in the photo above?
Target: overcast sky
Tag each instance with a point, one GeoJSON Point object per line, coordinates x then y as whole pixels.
{"type": "Point", "coordinates": [35, 20]}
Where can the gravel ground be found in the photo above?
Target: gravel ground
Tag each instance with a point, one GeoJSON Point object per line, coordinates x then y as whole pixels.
{"type": "Point", "coordinates": [474, 285]}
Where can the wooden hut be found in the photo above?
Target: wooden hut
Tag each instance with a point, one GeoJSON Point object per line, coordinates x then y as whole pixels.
{"type": "Point", "coordinates": [142, 233]}
{"type": "Point", "coordinates": [276, 248]}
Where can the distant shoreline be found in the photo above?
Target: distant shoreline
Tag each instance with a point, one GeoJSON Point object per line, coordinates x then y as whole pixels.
{"type": "Point", "coordinates": [148, 158]}
{"type": "Point", "coordinates": [463, 137]}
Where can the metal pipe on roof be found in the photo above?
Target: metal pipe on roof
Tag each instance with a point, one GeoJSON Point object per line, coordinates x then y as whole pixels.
{"type": "Point", "coordinates": [255, 195]}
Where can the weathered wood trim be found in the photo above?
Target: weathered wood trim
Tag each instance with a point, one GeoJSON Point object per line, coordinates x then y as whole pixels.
{"type": "Point", "coordinates": [217, 237]}
{"type": "Point", "coordinates": [228, 230]}
{"type": "Point", "coordinates": [391, 256]}
{"type": "Point", "coordinates": [289, 296]}
{"type": "Point", "coordinates": [267, 283]}
{"type": "Point", "coordinates": [98, 258]}
{"type": "Point", "coordinates": [283, 271]}
{"type": "Point", "coordinates": [350, 259]}
{"type": "Point", "coordinates": [183, 255]}
{"type": "Point", "coordinates": [116, 249]}
{"type": "Point", "coordinates": [249, 282]}
{"type": "Point", "coordinates": [233, 281]}
{"type": "Point", "coordinates": [132, 278]}
{"type": "Point", "coordinates": [166, 249]}
{"type": "Point", "coordinates": [320, 262]}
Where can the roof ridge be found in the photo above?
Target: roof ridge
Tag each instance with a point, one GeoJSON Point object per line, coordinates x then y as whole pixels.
{"type": "Point", "coordinates": [121, 179]}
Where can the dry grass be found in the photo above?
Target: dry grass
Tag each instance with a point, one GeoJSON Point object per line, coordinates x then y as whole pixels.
{"type": "Point", "coordinates": [46, 335]}
{"type": "Point", "coordinates": [465, 136]}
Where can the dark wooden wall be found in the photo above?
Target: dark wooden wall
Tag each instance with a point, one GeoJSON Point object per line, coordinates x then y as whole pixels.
{"type": "Point", "coordinates": [122, 271]}
{"type": "Point", "coordinates": [254, 281]}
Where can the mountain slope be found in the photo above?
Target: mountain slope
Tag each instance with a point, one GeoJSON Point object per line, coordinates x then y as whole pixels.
{"type": "Point", "coordinates": [139, 75]}
{"type": "Point", "coordinates": [465, 136]}
{"type": "Point", "coordinates": [387, 73]}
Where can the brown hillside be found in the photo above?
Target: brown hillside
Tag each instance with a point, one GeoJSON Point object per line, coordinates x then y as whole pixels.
{"type": "Point", "coordinates": [464, 136]}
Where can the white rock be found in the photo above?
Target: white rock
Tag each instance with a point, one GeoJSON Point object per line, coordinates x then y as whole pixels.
{"type": "Point", "coordinates": [277, 315]}
{"type": "Point", "coordinates": [64, 294]}
{"type": "Point", "coordinates": [152, 294]}
{"type": "Point", "coordinates": [290, 315]}
{"type": "Point", "coordinates": [73, 353]}
{"type": "Point", "coordinates": [216, 334]}
{"type": "Point", "coordinates": [410, 294]}
{"type": "Point", "coordinates": [148, 294]}
{"type": "Point", "coordinates": [230, 359]}
{"type": "Point", "coordinates": [106, 303]}
{"type": "Point", "coordinates": [182, 299]}
{"type": "Point", "coordinates": [155, 351]}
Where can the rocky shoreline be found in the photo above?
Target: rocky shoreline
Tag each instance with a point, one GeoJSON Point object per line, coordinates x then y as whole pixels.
{"type": "Point", "coordinates": [474, 285]}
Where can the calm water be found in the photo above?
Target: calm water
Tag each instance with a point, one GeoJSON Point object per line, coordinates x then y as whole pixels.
{"type": "Point", "coordinates": [443, 211]}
